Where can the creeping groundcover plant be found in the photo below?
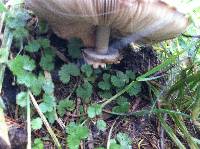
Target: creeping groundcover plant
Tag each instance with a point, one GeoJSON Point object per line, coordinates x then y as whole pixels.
{"type": "Point", "coordinates": [99, 74]}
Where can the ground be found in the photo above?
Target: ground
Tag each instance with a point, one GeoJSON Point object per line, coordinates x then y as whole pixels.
{"type": "Point", "coordinates": [145, 130]}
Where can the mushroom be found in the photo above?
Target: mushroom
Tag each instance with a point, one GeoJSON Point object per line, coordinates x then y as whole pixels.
{"type": "Point", "coordinates": [96, 21]}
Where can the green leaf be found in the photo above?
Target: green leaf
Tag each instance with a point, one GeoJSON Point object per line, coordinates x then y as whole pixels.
{"type": "Point", "coordinates": [31, 81]}
{"type": "Point", "coordinates": [105, 94]}
{"type": "Point", "coordinates": [115, 146]}
{"type": "Point", "coordinates": [22, 98]}
{"type": "Point", "coordinates": [2, 105]}
{"type": "Point", "coordinates": [51, 116]}
{"type": "Point", "coordinates": [123, 76]}
{"type": "Point", "coordinates": [36, 85]}
{"type": "Point", "coordinates": [17, 18]}
{"type": "Point", "coordinates": [36, 123]}
{"type": "Point", "coordinates": [47, 59]}
{"type": "Point", "coordinates": [2, 7]}
{"type": "Point", "coordinates": [72, 69]}
{"type": "Point", "coordinates": [48, 103]}
{"type": "Point", "coordinates": [105, 84]}
{"type": "Point", "coordinates": [76, 133]}
{"type": "Point", "coordinates": [135, 89]}
{"type": "Point", "coordinates": [94, 110]}
{"type": "Point", "coordinates": [124, 140]}
{"type": "Point", "coordinates": [73, 142]}
{"type": "Point", "coordinates": [121, 100]}
{"type": "Point", "coordinates": [130, 74]}
{"type": "Point", "coordinates": [49, 100]}
{"type": "Point", "coordinates": [74, 47]}
{"type": "Point", "coordinates": [117, 82]}
{"type": "Point", "coordinates": [21, 64]}
{"type": "Point", "coordinates": [46, 63]}
{"type": "Point", "coordinates": [43, 26]}
{"type": "Point", "coordinates": [48, 87]}
{"type": "Point", "coordinates": [64, 77]}
{"type": "Point", "coordinates": [36, 89]}
{"type": "Point", "coordinates": [44, 43]}
{"type": "Point", "coordinates": [101, 125]}
{"type": "Point", "coordinates": [49, 52]}
{"type": "Point", "coordinates": [84, 91]}
{"type": "Point", "coordinates": [120, 79]}
{"type": "Point", "coordinates": [64, 74]}
{"type": "Point", "coordinates": [20, 33]}
{"type": "Point", "coordinates": [122, 108]}
{"type": "Point", "coordinates": [64, 105]}
{"type": "Point", "coordinates": [28, 79]}
{"type": "Point", "coordinates": [87, 70]}
{"type": "Point", "coordinates": [33, 46]}
{"type": "Point", "coordinates": [106, 77]}
{"type": "Point", "coordinates": [4, 52]}
{"type": "Point", "coordinates": [44, 107]}
{"type": "Point", "coordinates": [67, 70]}
{"type": "Point", "coordinates": [38, 144]}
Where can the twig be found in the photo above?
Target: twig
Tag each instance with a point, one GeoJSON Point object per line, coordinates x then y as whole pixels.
{"type": "Point", "coordinates": [61, 56]}
{"type": "Point", "coordinates": [134, 107]}
{"type": "Point", "coordinates": [90, 141]}
{"type": "Point", "coordinates": [60, 122]}
{"type": "Point", "coordinates": [44, 120]}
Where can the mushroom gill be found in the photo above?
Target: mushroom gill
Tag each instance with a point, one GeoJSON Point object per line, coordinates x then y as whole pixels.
{"type": "Point", "coordinates": [96, 21]}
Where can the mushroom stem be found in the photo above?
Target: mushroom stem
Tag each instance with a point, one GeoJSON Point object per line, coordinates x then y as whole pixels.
{"type": "Point", "coordinates": [102, 39]}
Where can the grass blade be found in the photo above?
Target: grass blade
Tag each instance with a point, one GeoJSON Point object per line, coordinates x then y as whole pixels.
{"type": "Point", "coordinates": [169, 61]}
{"type": "Point", "coordinates": [170, 132]}
{"type": "Point", "coordinates": [179, 122]}
{"type": "Point", "coordinates": [28, 122]}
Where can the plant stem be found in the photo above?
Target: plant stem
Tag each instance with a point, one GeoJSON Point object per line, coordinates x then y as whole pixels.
{"type": "Point", "coordinates": [28, 122]}
{"type": "Point", "coordinates": [5, 46]}
{"type": "Point", "coordinates": [44, 120]}
{"type": "Point", "coordinates": [185, 133]}
{"type": "Point", "coordinates": [170, 132]}
{"type": "Point", "coordinates": [150, 112]}
{"type": "Point", "coordinates": [118, 94]}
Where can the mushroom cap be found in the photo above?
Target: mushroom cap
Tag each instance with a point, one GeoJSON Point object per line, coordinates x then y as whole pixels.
{"type": "Point", "coordinates": [146, 21]}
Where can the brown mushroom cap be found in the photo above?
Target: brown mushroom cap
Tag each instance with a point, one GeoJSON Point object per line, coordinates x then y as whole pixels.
{"type": "Point", "coordinates": [147, 21]}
